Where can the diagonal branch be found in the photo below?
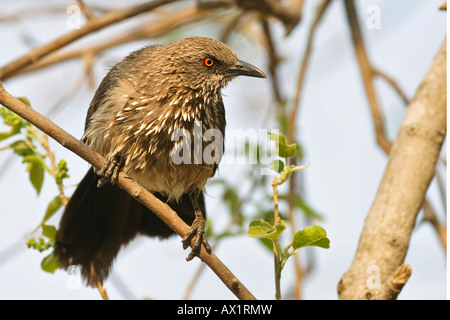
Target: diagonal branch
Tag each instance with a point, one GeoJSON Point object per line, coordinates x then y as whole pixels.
{"type": "Point", "coordinates": [157, 27]}
{"type": "Point", "coordinates": [92, 25]}
{"type": "Point", "coordinates": [162, 210]}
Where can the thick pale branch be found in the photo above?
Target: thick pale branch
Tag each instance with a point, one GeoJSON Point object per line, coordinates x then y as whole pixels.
{"type": "Point", "coordinates": [368, 72]}
{"type": "Point", "coordinates": [162, 210]}
{"type": "Point", "coordinates": [387, 229]}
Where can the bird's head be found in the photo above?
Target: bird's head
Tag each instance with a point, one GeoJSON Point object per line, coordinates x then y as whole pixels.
{"type": "Point", "coordinates": [198, 62]}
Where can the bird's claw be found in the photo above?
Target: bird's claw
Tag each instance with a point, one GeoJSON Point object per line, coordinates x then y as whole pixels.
{"type": "Point", "coordinates": [109, 172]}
{"type": "Point", "coordinates": [197, 230]}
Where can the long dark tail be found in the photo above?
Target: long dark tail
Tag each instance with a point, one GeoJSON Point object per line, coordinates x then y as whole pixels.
{"type": "Point", "coordinates": [98, 221]}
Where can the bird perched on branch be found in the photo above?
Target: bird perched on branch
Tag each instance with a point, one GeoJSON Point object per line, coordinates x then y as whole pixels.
{"type": "Point", "coordinates": [149, 118]}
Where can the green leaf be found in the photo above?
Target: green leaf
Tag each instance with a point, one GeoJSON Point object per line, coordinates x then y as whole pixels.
{"type": "Point", "coordinates": [38, 244]}
{"type": "Point", "coordinates": [277, 165]}
{"type": "Point", "coordinates": [34, 159]}
{"type": "Point", "coordinates": [282, 148]}
{"type": "Point", "coordinates": [62, 171]}
{"type": "Point", "coordinates": [49, 232]}
{"type": "Point", "coordinates": [285, 174]}
{"type": "Point", "coordinates": [24, 100]}
{"type": "Point", "coordinates": [6, 135]}
{"type": "Point", "coordinates": [22, 148]}
{"type": "Point", "coordinates": [52, 208]}
{"type": "Point", "coordinates": [11, 119]}
{"type": "Point", "coordinates": [50, 263]}
{"type": "Point", "coordinates": [311, 236]}
{"type": "Point", "coordinates": [299, 153]}
{"type": "Point", "coordinates": [37, 176]}
{"type": "Point", "coordinates": [263, 229]}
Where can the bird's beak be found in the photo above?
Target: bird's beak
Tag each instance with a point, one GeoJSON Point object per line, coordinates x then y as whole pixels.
{"type": "Point", "coordinates": [242, 68]}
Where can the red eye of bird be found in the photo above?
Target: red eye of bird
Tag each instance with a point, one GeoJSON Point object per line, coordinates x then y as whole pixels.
{"type": "Point", "coordinates": [208, 62]}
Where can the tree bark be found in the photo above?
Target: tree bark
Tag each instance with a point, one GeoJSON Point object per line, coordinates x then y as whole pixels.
{"type": "Point", "coordinates": [378, 271]}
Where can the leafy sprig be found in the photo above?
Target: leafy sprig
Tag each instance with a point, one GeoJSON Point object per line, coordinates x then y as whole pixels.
{"type": "Point", "coordinates": [33, 147]}
{"type": "Point", "coordinates": [262, 229]}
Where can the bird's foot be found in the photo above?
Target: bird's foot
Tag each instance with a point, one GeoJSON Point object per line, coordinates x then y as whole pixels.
{"type": "Point", "coordinates": [110, 171]}
{"type": "Point", "coordinates": [197, 230]}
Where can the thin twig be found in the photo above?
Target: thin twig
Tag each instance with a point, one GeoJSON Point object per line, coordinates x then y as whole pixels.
{"type": "Point", "coordinates": [290, 135]}
{"type": "Point", "coordinates": [392, 83]}
{"type": "Point", "coordinates": [100, 287]}
{"type": "Point", "coordinates": [276, 252]}
{"type": "Point", "coordinates": [51, 157]}
{"type": "Point", "coordinates": [234, 24]}
{"type": "Point", "coordinates": [88, 60]}
{"type": "Point", "coordinates": [276, 215]}
{"type": "Point", "coordinates": [274, 59]}
{"type": "Point", "coordinates": [367, 72]}
{"type": "Point", "coordinates": [102, 290]}
{"type": "Point", "coordinates": [277, 267]}
{"type": "Point", "coordinates": [194, 281]}
{"type": "Point", "coordinates": [86, 10]}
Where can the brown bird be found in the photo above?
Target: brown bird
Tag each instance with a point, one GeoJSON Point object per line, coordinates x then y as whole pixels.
{"type": "Point", "coordinates": [149, 113]}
